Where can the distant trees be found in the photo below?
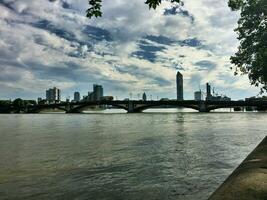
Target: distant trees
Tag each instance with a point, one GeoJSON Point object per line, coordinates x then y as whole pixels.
{"type": "Point", "coordinates": [251, 57]}
{"type": "Point", "coordinates": [20, 105]}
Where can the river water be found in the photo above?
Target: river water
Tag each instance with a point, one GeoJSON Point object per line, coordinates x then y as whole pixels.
{"type": "Point", "coordinates": [179, 155]}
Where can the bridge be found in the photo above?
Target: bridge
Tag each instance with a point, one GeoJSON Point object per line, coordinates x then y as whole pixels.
{"type": "Point", "coordinates": [134, 106]}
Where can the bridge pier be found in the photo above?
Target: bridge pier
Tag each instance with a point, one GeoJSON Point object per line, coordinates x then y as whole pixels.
{"type": "Point", "coordinates": [70, 109]}
{"type": "Point", "coordinates": [131, 108]}
{"type": "Point", "coordinates": [203, 107]}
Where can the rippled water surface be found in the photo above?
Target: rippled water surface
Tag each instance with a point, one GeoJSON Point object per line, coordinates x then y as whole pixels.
{"type": "Point", "coordinates": [123, 156]}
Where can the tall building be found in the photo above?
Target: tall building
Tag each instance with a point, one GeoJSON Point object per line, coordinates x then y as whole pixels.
{"type": "Point", "coordinates": [98, 92]}
{"type": "Point", "coordinates": [198, 95]}
{"type": "Point", "coordinates": [209, 96]}
{"type": "Point", "coordinates": [53, 94]}
{"type": "Point", "coordinates": [179, 86]}
{"type": "Point", "coordinates": [144, 96]}
{"type": "Point", "coordinates": [77, 97]}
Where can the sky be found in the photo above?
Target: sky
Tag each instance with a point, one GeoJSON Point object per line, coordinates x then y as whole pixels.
{"type": "Point", "coordinates": [131, 49]}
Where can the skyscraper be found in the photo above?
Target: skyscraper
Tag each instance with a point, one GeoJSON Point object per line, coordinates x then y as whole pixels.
{"type": "Point", "coordinates": [77, 97]}
{"type": "Point", "coordinates": [144, 96]}
{"type": "Point", "coordinates": [98, 92]}
{"type": "Point", "coordinates": [53, 94]}
{"type": "Point", "coordinates": [209, 96]}
{"type": "Point", "coordinates": [179, 86]}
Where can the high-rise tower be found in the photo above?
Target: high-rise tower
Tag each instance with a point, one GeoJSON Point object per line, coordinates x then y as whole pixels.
{"type": "Point", "coordinates": [209, 96]}
{"type": "Point", "coordinates": [98, 92]}
{"type": "Point", "coordinates": [77, 96]}
{"type": "Point", "coordinates": [53, 94]}
{"type": "Point", "coordinates": [179, 86]}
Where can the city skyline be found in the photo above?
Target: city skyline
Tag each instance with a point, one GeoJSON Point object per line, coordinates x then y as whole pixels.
{"type": "Point", "coordinates": [70, 52]}
{"type": "Point", "coordinates": [54, 94]}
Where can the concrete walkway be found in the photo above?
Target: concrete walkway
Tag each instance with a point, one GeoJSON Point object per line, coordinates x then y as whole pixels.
{"type": "Point", "coordinates": [249, 180]}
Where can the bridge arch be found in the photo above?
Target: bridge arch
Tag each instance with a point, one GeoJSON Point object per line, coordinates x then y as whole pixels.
{"type": "Point", "coordinates": [145, 107]}
{"type": "Point", "coordinates": [81, 108]}
{"type": "Point", "coordinates": [39, 109]}
{"type": "Point", "coordinates": [210, 108]}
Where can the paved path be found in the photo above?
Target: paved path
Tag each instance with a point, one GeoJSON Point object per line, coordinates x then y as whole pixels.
{"type": "Point", "coordinates": [249, 180]}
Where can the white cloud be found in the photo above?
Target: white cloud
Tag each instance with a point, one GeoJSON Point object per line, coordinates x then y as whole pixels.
{"type": "Point", "coordinates": [84, 58]}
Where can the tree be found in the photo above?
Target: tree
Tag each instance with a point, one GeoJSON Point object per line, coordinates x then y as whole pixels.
{"type": "Point", "coordinates": [251, 57]}
{"type": "Point", "coordinates": [95, 6]}
{"type": "Point", "coordinates": [18, 105]}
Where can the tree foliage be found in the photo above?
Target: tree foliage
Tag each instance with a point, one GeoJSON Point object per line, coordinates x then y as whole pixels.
{"type": "Point", "coordinates": [251, 57]}
{"type": "Point", "coordinates": [95, 6]}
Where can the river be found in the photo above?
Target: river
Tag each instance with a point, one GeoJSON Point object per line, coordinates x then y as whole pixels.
{"type": "Point", "coordinates": [152, 156]}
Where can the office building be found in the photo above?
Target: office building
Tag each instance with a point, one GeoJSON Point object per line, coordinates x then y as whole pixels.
{"type": "Point", "coordinates": [179, 86]}
{"type": "Point", "coordinates": [53, 95]}
{"type": "Point", "coordinates": [77, 97]}
{"type": "Point", "coordinates": [96, 95]}
{"type": "Point", "coordinates": [98, 92]}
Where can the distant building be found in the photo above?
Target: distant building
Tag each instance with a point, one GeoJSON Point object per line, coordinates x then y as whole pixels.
{"type": "Point", "coordinates": [220, 98]}
{"type": "Point", "coordinates": [77, 97]}
{"type": "Point", "coordinates": [53, 95]}
{"type": "Point", "coordinates": [179, 86]}
{"type": "Point", "coordinates": [96, 95]}
{"type": "Point", "coordinates": [209, 96]}
{"type": "Point", "coordinates": [198, 95]}
{"type": "Point", "coordinates": [144, 96]}
{"type": "Point", "coordinates": [98, 92]}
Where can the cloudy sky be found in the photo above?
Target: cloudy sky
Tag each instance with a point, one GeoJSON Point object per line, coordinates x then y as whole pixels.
{"type": "Point", "coordinates": [129, 50]}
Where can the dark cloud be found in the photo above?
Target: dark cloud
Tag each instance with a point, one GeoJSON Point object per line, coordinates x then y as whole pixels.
{"type": "Point", "coordinates": [132, 70]}
{"type": "Point", "coordinates": [10, 5]}
{"type": "Point", "coordinates": [191, 42]}
{"type": "Point", "coordinates": [65, 71]}
{"type": "Point", "coordinates": [177, 10]}
{"type": "Point", "coordinates": [58, 31]}
{"type": "Point", "coordinates": [148, 52]}
{"type": "Point", "coordinates": [160, 39]}
{"type": "Point", "coordinates": [91, 33]}
{"type": "Point", "coordinates": [162, 82]}
{"type": "Point", "coordinates": [7, 5]}
{"type": "Point", "coordinates": [66, 5]}
{"type": "Point", "coordinates": [97, 34]}
{"type": "Point", "coordinates": [205, 65]}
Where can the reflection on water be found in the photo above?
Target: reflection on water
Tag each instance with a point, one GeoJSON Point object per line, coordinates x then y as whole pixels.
{"type": "Point", "coordinates": [123, 156]}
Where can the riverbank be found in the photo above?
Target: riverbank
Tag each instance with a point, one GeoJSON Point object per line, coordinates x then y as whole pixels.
{"type": "Point", "coordinates": [249, 180]}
